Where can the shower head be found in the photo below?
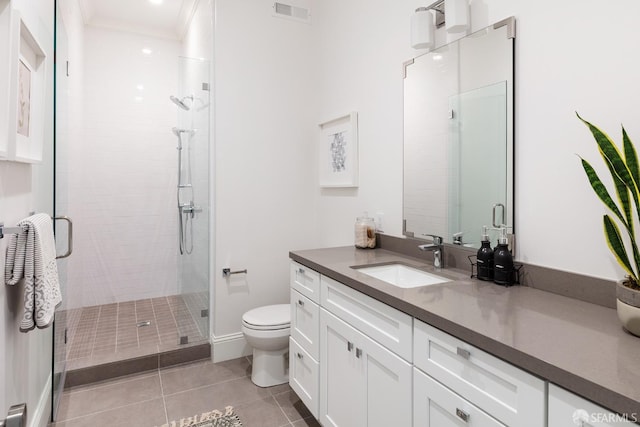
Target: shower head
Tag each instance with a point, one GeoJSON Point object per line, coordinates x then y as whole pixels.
{"type": "Point", "coordinates": [180, 102]}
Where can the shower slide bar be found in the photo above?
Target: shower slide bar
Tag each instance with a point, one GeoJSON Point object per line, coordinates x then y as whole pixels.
{"type": "Point", "coordinates": [15, 230]}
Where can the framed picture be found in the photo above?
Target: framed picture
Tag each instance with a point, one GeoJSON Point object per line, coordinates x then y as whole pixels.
{"type": "Point", "coordinates": [338, 152]}
{"type": "Point", "coordinates": [27, 84]}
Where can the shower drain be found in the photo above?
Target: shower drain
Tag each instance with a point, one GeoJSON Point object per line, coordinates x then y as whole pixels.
{"type": "Point", "coordinates": [145, 323]}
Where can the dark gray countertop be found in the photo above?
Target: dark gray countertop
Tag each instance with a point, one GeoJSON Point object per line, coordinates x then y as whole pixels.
{"type": "Point", "coordinates": [571, 343]}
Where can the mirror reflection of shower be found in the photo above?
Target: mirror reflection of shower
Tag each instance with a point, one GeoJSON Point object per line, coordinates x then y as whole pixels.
{"type": "Point", "coordinates": [184, 191]}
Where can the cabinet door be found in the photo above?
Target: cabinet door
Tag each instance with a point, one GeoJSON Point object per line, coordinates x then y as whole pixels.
{"type": "Point", "coordinates": [567, 409]}
{"type": "Point", "coordinates": [362, 383]}
{"type": "Point", "coordinates": [305, 323]}
{"type": "Point", "coordinates": [388, 388]}
{"type": "Point", "coordinates": [342, 385]}
{"type": "Point", "coordinates": [304, 376]}
{"type": "Point", "coordinates": [434, 405]}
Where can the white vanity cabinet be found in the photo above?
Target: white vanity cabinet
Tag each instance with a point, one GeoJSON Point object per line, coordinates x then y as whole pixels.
{"type": "Point", "coordinates": [567, 409]}
{"type": "Point", "coordinates": [304, 343]}
{"type": "Point", "coordinates": [361, 382]}
{"type": "Point", "coordinates": [497, 391]}
{"type": "Point", "coordinates": [434, 405]}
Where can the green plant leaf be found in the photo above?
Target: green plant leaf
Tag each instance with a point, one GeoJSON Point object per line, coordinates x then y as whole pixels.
{"type": "Point", "coordinates": [622, 191]}
{"type": "Point", "coordinates": [631, 157]}
{"type": "Point", "coordinates": [610, 152]}
{"type": "Point", "coordinates": [601, 190]}
{"type": "Point", "coordinates": [616, 245]}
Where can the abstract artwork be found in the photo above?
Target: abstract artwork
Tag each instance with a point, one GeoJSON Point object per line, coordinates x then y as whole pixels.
{"type": "Point", "coordinates": [24, 99]}
{"type": "Point", "coordinates": [338, 155]}
{"type": "Point", "coordinates": [338, 151]}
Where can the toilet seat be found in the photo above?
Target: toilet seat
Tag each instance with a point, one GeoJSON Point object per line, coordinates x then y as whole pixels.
{"type": "Point", "coordinates": [268, 318]}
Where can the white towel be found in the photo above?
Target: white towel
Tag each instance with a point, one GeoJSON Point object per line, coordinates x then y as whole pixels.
{"type": "Point", "coordinates": [32, 254]}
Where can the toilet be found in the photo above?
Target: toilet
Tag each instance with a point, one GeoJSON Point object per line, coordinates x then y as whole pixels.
{"type": "Point", "coordinates": [266, 329]}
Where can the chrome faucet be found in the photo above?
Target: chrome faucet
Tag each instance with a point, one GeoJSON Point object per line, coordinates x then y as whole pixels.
{"type": "Point", "coordinates": [436, 247]}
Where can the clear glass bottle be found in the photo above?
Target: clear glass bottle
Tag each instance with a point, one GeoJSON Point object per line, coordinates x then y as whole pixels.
{"type": "Point", "coordinates": [365, 232]}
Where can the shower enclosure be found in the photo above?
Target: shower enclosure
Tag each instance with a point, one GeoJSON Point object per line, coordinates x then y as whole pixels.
{"type": "Point", "coordinates": [132, 170]}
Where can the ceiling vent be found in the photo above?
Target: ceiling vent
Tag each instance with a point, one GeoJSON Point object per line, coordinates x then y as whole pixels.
{"type": "Point", "coordinates": [290, 11]}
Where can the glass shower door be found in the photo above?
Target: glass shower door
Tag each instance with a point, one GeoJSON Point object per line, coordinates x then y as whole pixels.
{"type": "Point", "coordinates": [60, 348]}
{"type": "Point", "coordinates": [193, 200]}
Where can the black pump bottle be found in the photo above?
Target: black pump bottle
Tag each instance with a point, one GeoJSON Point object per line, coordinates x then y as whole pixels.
{"type": "Point", "coordinates": [485, 257]}
{"type": "Point", "coordinates": [503, 271]}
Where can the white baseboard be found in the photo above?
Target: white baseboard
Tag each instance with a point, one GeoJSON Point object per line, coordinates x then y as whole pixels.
{"type": "Point", "coordinates": [40, 416]}
{"type": "Point", "coordinates": [227, 347]}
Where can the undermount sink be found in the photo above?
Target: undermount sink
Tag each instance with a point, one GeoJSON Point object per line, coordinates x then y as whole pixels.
{"type": "Point", "coordinates": [402, 276]}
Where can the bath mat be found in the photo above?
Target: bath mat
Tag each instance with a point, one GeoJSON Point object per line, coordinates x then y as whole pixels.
{"type": "Point", "coordinates": [214, 418]}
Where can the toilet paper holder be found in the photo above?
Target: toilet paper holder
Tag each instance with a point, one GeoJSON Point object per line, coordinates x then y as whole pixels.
{"type": "Point", "coordinates": [226, 272]}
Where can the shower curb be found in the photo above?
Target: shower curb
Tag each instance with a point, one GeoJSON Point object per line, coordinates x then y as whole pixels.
{"type": "Point", "coordinates": [107, 371]}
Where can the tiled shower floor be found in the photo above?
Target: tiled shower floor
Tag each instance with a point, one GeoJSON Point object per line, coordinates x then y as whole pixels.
{"type": "Point", "coordinates": [108, 333]}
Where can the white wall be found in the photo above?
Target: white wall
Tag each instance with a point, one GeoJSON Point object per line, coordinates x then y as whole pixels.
{"type": "Point", "coordinates": [570, 55]}
{"type": "Point", "coordinates": [121, 191]}
{"type": "Point", "coordinates": [25, 359]}
{"type": "Point", "coordinates": [264, 170]}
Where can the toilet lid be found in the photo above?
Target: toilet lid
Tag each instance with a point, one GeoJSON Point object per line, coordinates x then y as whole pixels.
{"type": "Point", "coordinates": [272, 316]}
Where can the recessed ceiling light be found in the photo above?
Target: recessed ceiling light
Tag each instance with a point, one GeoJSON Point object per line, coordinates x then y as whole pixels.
{"type": "Point", "coordinates": [140, 87]}
{"type": "Point", "coordinates": [155, 1]}
{"type": "Point", "coordinates": [147, 51]}
{"type": "Point", "coordinates": [138, 98]}
{"type": "Point", "coordinates": [437, 57]}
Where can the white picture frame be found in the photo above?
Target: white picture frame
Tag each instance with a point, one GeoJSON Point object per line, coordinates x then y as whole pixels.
{"type": "Point", "coordinates": [27, 86]}
{"type": "Point", "coordinates": [338, 152]}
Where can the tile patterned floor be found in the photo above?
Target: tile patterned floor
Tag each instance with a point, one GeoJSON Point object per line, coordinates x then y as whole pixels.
{"type": "Point", "coordinates": [158, 397]}
{"type": "Point", "coordinates": [110, 332]}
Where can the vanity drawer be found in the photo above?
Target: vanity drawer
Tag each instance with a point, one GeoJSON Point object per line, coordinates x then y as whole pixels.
{"type": "Point", "coordinates": [306, 281]}
{"type": "Point", "coordinates": [434, 405]}
{"type": "Point", "coordinates": [305, 323]}
{"type": "Point", "coordinates": [566, 409]}
{"type": "Point", "coordinates": [505, 392]}
{"type": "Point", "coordinates": [384, 324]}
{"type": "Point", "coordinates": [304, 376]}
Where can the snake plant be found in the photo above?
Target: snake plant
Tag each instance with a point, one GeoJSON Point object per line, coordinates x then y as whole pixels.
{"type": "Point", "coordinates": [625, 210]}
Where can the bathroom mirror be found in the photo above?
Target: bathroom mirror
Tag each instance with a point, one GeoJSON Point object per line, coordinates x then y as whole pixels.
{"type": "Point", "coordinates": [458, 138]}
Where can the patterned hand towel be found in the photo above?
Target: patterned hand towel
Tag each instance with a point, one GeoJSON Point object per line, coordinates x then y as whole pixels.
{"type": "Point", "coordinates": [32, 254]}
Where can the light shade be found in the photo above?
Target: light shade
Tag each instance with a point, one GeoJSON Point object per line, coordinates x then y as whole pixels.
{"type": "Point", "coordinates": [422, 29]}
{"type": "Point", "coordinates": [456, 15]}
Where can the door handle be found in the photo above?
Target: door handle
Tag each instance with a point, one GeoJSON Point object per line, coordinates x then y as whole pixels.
{"type": "Point", "coordinates": [69, 235]}
{"type": "Point", "coordinates": [358, 352]}
{"type": "Point", "coordinates": [16, 416]}
{"type": "Point", "coordinates": [502, 223]}
{"type": "Point", "coordinates": [349, 346]}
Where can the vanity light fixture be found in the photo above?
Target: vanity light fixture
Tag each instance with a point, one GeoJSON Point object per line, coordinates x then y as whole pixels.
{"type": "Point", "coordinates": [457, 15]}
{"type": "Point", "coordinates": [422, 29]}
{"type": "Point", "coordinates": [453, 14]}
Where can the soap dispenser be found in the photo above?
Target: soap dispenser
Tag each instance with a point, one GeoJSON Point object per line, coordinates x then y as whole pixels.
{"type": "Point", "coordinates": [503, 269]}
{"type": "Point", "coordinates": [485, 257]}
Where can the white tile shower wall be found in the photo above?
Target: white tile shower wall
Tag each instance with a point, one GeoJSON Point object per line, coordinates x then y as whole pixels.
{"type": "Point", "coordinates": [556, 75]}
{"type": "Point", "coordinates": [122, 195]}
